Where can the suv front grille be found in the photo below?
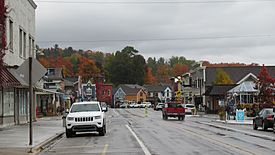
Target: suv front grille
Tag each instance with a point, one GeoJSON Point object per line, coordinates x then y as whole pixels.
{"type": "Point", "coordinates": [83, 119]}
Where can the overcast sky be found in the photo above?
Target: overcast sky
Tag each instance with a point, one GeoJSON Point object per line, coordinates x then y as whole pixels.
{"type": "Point", "coordinates": [240, 31]}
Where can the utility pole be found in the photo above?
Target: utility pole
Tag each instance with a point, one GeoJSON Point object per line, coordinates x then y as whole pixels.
{"type": "Point", "coordinates": [30, 99]}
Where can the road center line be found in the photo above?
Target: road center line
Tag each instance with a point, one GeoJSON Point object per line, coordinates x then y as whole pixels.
{"type": "Point", "coordinates": [144, 148]}
{"type": "Point", "coordinates": [105, 149]}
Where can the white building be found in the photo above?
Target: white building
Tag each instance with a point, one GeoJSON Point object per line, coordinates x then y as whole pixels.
{"type": "Point", "coordinates": [20, 37]}
{"type": "Point", "coordinates": [20, 31]}
{"type": "Point", "coordinates": [161, 93]}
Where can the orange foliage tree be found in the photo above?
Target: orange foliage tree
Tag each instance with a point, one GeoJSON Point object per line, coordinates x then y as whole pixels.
{"type": "Point", "coordinates": [179, 69]}
{"type": "Point", "coordinates": [149, 77]}
{"type": "Point", "coordinates": [163, 73]}
{"type": "Point", "coordinates": [87, 68]}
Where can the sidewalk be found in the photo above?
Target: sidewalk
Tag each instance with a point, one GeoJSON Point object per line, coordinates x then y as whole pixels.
{"type": "Point", "coordinates": [15, 139]}
{"type": "Point", "coordinates": [235, 122]}
{"type": "Point", "coordinates": [215, 118]}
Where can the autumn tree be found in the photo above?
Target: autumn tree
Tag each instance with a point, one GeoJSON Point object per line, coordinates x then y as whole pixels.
{"type": "Point", "coordinates": [265, 85]}
{"type": "Point", "coordinates": [163, 75]}
{"type": "Point", "coordinates": [222, 78]}
{"type": "Point", "coordinates": [179, 69]}
{"type": "Point", "coordinates": [149, 77]}
{"type": "Point", "coordinates": [87, 69]}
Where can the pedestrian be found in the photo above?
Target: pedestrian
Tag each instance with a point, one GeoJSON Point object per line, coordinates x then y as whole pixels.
{"type": "Point", "coordinates": [227, 109]}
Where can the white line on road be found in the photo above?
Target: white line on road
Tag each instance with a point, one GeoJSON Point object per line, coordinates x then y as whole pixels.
{"type": "Point", "coordinates": [144, 148]}
{"type": "Point", "coordinates": [116, 112]}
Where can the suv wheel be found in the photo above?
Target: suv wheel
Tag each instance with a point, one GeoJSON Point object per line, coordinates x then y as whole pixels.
{"type": "Point", "coordinates": [69, 133]}
{"type": "Point", "coordinates": [102, 131]}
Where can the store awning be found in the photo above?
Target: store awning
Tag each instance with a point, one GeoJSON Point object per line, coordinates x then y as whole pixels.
{"type": "Point", "coordinates": [7, 79]}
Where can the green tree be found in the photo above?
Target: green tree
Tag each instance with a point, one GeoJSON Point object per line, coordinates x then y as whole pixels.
{"type": "Point", "coordinates": [222, 77]}
{"type": "Point", "coordinates": [180, 60]}
{"type": "Point", "coordinates": [127, 66]}
{"type": "Point", "coordinates": [152, 63]}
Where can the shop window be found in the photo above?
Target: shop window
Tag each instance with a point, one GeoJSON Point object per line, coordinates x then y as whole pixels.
{"type": "Point", "coordinates": [8, 103]}
{"type": "Point", "coordinates": [22, 102]}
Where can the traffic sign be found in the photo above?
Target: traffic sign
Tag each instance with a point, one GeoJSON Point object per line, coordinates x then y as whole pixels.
{"type": "Point", "coordinates": [38, 71]}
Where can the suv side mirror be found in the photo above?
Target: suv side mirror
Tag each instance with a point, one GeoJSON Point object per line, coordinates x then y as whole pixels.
{"type": "Point", "coordinates": [67, 111]}
{"type": "Point", "coordinates": [104, 109]}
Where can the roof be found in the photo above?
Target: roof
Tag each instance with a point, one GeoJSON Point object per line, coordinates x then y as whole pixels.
{"type": "Point", "coordinates": [245, 87]}
{"type": "Point", "coordinates": [130, 90]}
{"type": "Point", "coordinates": [155, 88]}
{"type": "Point", "coordinates": [54, 74]}
{"type": "Point", "coordinates": [7, 79]}
{"type": "Point", "coordinates": [68, 83]}
{"type": "Point", "coordinates": [72, 79]}
{"type": "Point", "coordinates": [134, 86]}
{"type": "Point", "coordinates": [236, 73]}
{"type": "Point", "coordinates": [21, 80]}
{"type": "Point", "coordinates": [220, 89]}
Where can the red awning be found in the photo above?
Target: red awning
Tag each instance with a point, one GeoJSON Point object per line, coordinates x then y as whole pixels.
{"type": "Point", "coordinates": [7, 79]}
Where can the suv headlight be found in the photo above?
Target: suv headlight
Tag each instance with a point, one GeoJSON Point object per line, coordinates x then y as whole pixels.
{"type": "Point", "coordinates": [97, 117]}
{"type": "Point", "coordinates": [70, 118]}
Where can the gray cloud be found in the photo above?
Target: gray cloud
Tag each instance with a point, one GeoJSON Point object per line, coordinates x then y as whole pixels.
{"type": "Point", "coordinates": [90, 22]}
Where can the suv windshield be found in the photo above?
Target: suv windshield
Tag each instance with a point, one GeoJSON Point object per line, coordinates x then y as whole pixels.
{"type": "Point", "coordinates": [85, 107]}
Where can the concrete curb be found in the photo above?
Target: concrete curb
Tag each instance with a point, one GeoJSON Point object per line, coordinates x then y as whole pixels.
{"type": "Point", "coordinates": [235, 123]}
{"type": "Point", "coordinates": [240, 131]}
{"type": "Point", "coordinates": [40, 147]}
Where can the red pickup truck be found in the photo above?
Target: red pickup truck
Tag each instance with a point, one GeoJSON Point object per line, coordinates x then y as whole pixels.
{"type": "Point", "coordinates": [173, 109]}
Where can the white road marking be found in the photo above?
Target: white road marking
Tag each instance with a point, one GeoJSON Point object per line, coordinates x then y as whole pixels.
{"type": "Point", "coordinates": [115, 112]}
{"type": "Point", "coordinates": [144, 148]}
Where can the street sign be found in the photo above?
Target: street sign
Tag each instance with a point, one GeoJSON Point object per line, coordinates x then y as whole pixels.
{"type": "Point", "coordinates": [38, 71]}
{"type": "Point", "coordinates": [240, 115]}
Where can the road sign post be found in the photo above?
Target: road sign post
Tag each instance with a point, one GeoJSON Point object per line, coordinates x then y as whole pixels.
{"type": "Point", "coordinates": [32, 71]}
{"type": "Point", "coordinates": [30, 99]}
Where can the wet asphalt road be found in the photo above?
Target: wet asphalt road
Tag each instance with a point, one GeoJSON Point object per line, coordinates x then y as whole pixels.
{"type": "Point", "coordinates": [129, 132]}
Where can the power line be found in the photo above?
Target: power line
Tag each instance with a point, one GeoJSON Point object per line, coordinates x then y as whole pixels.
{"type": "Point", "coordinates": [152, 2]}
{"type": "Point", "coordinates": [160, 39]}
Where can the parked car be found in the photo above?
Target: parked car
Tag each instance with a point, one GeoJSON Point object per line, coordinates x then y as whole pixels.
{"type": "Point", "coordinates": [144, 104]}
{"type": "Point", "coordinates": [132, 105]}
{"type": "Point", "coordinates": [264, 119]}
{"type": "Point", "coordinates": [159, 106]}
{"type": "Point", "coordinates": [86, 117]}
{"type": "Point", "coordinates": [124, 105]}
{"type": "Point", "coordinates": [136, 105]}
{"type": "Point", "coordinates": [173, 109]}
{"type": "Point", "coordinates": [189, 108]}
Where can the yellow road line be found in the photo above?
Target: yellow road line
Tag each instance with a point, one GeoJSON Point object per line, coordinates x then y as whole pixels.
{"type": "Point", "coordinates": [105, 149]}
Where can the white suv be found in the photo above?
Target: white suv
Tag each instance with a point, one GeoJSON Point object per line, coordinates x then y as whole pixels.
{"type": "Point", "coordinates": [85, 117]}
